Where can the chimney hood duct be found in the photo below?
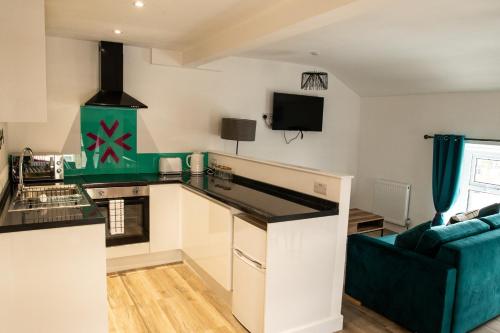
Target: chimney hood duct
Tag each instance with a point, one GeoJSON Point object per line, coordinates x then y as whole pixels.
{"type": "Point", "coordinates": [111, 76]}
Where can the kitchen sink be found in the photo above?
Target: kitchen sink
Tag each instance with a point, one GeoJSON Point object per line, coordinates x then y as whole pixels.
{"type": "Point", "coordinates": [48, 197]}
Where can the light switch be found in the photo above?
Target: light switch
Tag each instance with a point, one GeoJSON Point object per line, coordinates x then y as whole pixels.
{"type": "Point", "coordinates": [320, 188]}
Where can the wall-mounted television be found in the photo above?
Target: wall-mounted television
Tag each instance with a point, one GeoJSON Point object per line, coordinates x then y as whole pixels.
{"type": "Point", "coordinates": [297, 112]}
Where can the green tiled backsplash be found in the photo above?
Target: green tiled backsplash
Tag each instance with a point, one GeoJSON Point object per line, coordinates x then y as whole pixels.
{"type": "Point", "coordinates": [109, 145]}
{"type": "Point", "coordinates": [108, 139]}
{"type": "Point", "coordinates": [146, 163]}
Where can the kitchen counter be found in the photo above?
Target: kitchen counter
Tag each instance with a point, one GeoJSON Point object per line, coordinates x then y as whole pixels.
{"type": "Point", "coordinates": [92, 181]}
{"type": "Point", "coordinates": [44, 219]}
{"type": "Point", "coordinates": [265, 202]}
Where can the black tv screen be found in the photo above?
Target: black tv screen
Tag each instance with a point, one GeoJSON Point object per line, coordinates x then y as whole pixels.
{"type": "Point", "coordinates": [297, 112]}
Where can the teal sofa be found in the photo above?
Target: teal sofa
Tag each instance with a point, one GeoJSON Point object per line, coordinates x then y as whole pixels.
{"type": "Point", "coordinates": [452, 289]}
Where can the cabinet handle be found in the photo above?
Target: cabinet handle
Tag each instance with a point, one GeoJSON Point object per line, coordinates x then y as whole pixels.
{"type": "Point", "coordinates": [249, 260]}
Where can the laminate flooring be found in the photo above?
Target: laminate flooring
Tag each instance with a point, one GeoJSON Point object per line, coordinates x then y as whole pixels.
{"type": "Point", "coordinates": [172, 298]}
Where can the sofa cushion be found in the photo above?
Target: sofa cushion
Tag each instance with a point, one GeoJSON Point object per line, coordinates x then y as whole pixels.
{"type": "Point", "coordinates": [409, 239]}
{"type": "Point", "coordinates": [432, 239]}
{"type": "Point", "coordinates": [389, 239]}
{"type": "Point", "coordinates": [493, 221]}
{"type": "Point", "coordinates": [489, 210]}
{"type": "Point", "coordinates": [478, 213]}
{"type": "Point", "coordinates": [460, 217]}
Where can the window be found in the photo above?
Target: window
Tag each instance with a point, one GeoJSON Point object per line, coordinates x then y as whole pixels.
{"type": "Point", "coordinates": [480, 181]}
{"type": "Point", "coordinates": [486, 171]}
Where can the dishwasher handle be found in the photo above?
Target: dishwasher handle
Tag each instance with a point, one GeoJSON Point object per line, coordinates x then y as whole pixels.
{"type": "Point", "coordinates": [254, 263]}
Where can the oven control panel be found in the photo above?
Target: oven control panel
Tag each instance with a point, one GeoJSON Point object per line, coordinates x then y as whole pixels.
{"type": "Point", "coordinates": [118, 192]}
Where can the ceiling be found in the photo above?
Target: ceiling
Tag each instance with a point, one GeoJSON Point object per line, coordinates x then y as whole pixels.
{"type": "Point", "coordinates": [171, 24]}
{"type": "Point", "coordinates": [376, 47]}
{"type": "Point", "coordinates": [404, 47]}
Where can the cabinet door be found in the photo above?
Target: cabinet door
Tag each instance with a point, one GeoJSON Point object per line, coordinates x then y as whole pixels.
{"type": "Point", "coordinates": [207, 236]}
{"type": "Point", "coordinates": [164, 218]}
{"type": "Point", "coordinates": [194, 216]}
{"type": "Point", "coordinates": [219, 262]}
{"type": "Point", "coordinates": [22, 67]}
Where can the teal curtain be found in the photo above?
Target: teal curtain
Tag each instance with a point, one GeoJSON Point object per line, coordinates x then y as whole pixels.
{"type": "Point", "coordinates": [446, 169]}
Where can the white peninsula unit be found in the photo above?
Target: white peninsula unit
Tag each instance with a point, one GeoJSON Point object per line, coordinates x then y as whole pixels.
{"type": "Point", "coordinates": [288, 271]}
{"type": "Point", "coordinates": [53, 276]}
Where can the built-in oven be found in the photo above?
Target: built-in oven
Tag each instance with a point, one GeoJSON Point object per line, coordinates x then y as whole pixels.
{"type": "Point", "coordinates": [126, 210]}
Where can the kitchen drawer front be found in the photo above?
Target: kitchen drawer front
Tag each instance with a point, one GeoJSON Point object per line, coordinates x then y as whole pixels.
{"type": "Point", "coordinates": [250, 240]}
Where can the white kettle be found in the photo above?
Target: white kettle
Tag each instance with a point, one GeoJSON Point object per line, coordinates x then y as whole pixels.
{"type": "Point", "coordinates": [196, 162]}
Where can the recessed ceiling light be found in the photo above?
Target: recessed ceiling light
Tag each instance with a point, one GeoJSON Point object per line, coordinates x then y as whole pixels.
{"type": "Point", "coordinates": [117, 31]}
{"type": "Point", "coordinates": [138, 4]}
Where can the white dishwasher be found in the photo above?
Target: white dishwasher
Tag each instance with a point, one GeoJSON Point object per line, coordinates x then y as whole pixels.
{"type": "Point", "coordinates": [249, 274]}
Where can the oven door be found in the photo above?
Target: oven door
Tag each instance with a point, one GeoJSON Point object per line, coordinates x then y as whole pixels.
{"type": "Point", "coordinates": [136, 221]}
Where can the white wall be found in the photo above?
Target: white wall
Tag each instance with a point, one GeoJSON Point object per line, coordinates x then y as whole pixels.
{"type": "Point", "coordinates": [392, 144]}
{"type": "Point", "coordinates": [4, 165]}
{"type": "Point", "coordinates": [186, 105]}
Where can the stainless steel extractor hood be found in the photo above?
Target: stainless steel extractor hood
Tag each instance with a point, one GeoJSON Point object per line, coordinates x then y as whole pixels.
{"type": "Point", "coordinates": [111, 92]}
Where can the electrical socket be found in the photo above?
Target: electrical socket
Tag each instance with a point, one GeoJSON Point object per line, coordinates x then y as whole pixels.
{"type": "Point", "coordinates": [320, 188]}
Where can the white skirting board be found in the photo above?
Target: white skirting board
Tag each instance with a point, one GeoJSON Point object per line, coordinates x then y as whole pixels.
{"type": "Point", "coordinates": [329, 325]}
{"type": "Point", "coordinates": [127, 250]}
{"type": "Point", "coordinates": [143, 260]}
{"type": "Point", "coordinates": [394, 227]}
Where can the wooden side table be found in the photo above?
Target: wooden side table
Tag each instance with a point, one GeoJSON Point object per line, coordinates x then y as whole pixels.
{"type": "Point", "coordinates": [361, 222]}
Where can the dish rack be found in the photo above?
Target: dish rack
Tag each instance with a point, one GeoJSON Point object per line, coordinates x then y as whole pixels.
{"type": "Point", "coordinates": [49, 197]}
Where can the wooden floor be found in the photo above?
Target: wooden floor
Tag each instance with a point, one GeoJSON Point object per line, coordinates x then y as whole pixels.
{"type": "Point", "coordinates": [167, 298]}
{"type": "Point", "coordinates": [172, 298]}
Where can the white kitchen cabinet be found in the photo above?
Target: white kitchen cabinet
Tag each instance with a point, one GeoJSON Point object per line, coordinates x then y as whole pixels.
{"type": "Point", "coordinates": [207, 235]}
{"type": "Point", "coordinates": [23, 89]}
{"type": "Point", "coordinates": [54, 280]}
{"type": "Point", "coordinates": [164, 219]}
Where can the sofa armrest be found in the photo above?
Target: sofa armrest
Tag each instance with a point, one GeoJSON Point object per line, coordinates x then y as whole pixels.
{"type": "Point", "coordinates": [477, 296]}
{"type": "Point", "coordinates": [411, 289]}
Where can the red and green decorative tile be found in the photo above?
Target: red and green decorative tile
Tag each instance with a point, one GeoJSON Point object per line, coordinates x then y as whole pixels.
{"type": "Point", "coordinates": [109, 145]}
{"type": "Point", "coordinates": [109, 140]}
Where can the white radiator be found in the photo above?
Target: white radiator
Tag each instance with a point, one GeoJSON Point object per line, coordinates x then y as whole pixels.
{"type": "Point", "coordinates": [392, 201]}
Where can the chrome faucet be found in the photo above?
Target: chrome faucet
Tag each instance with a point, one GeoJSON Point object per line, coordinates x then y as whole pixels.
{"type": "Point", "coordinates": [21, 162]}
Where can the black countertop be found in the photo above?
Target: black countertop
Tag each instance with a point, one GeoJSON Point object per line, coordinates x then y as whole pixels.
{"type": "Point", "coordinates": [263, 202]}
{"type": "Point", "coordinates": [44, 219]}
{"type": "Point", "coordinates": [92, 181]}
